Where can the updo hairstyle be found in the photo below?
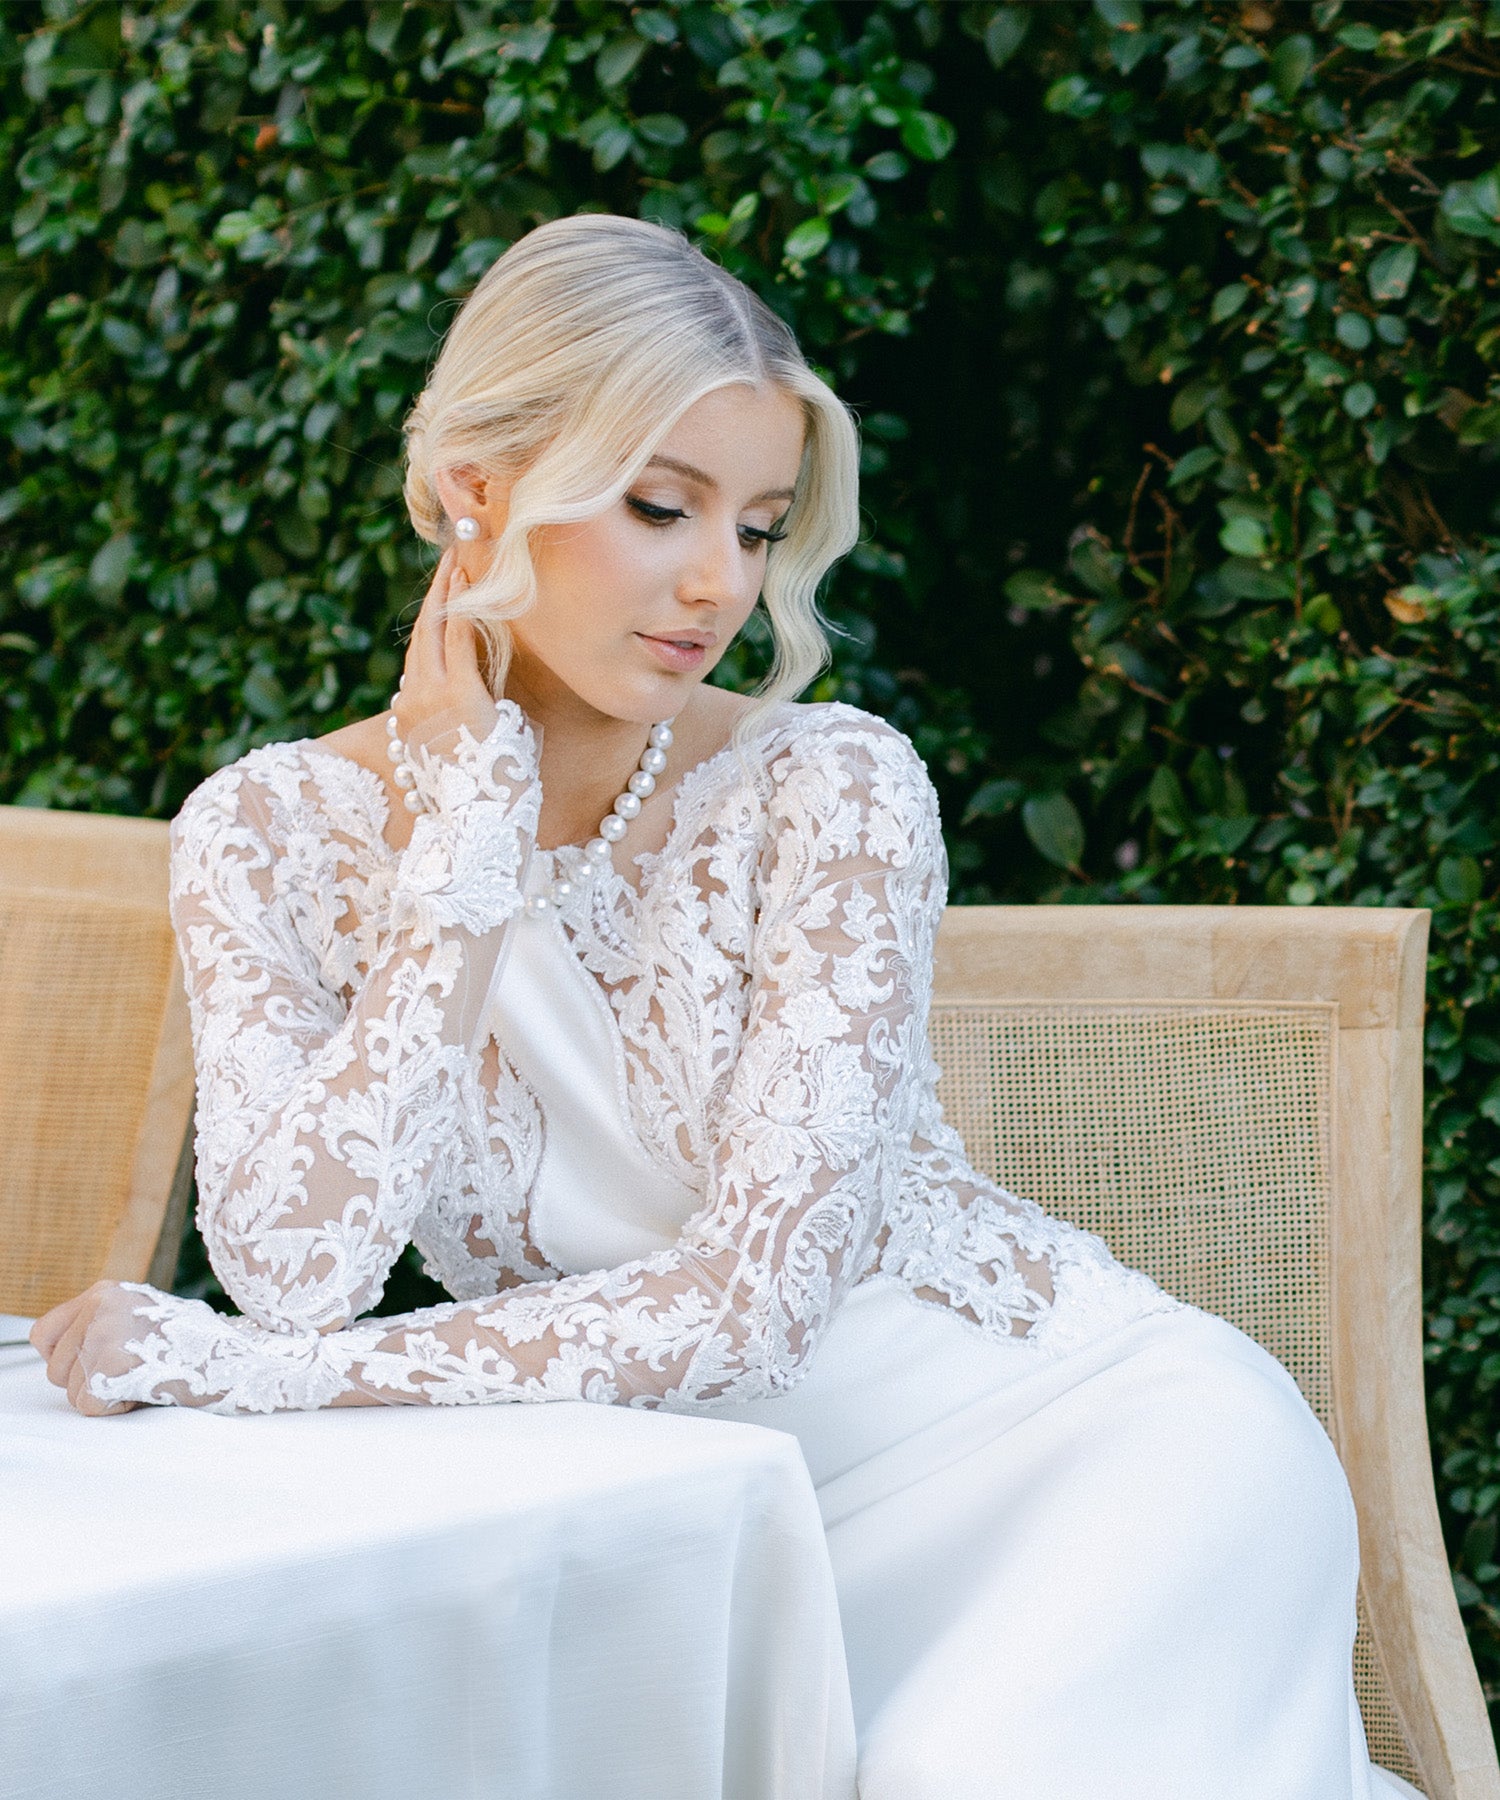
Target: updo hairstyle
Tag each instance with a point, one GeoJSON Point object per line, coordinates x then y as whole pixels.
{"type": "Point", "coordinates": [572, 359]}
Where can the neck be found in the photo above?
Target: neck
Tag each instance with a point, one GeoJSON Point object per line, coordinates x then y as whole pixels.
{"type": "Point", "coordinates": [586, 756]}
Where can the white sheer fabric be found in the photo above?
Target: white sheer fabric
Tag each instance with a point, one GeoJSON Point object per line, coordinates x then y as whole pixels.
{"type": "Point", "coordinates": [1085, 1540]}
{"type": "Point", "coordinates": [769, 983]}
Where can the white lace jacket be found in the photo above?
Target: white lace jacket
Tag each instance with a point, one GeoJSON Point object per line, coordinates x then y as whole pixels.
{"type": "Point", "coordinates": [770, 979]}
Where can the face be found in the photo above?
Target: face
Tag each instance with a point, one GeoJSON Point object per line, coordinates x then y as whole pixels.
{"type": "Point", "coordinates": [635, 607]}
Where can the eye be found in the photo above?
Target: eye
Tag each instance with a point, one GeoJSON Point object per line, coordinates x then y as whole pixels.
{"type": "Point", "coordinates": [653, 515]}
{"type": "Point", "coordinates": [752, 536]}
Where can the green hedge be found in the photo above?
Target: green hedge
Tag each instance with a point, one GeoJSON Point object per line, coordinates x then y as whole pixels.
{"type": "Point", "coordinates": [1176, 338]}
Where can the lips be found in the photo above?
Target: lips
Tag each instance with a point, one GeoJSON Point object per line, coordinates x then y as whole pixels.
{"type": "Point", "coordinates": [699, 639]}
{"type": "Point", "coordinates": [681, 651]}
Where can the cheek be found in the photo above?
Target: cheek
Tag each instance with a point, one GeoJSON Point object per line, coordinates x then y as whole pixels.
{"type": "Point", "coordinates": [594, 576]}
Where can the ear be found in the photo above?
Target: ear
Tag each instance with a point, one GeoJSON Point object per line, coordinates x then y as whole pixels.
{"type": "Point", "coordinates": [467, 492]}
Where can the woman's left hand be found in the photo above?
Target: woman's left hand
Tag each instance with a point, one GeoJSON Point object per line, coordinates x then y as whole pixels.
{"type": "Point", "coordinates": [86, 1336]}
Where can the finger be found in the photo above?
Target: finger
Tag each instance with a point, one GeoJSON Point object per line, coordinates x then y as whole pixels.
{"type": "Point", "coordinates": [79, 1397]}
{"type": "Point", "coordinates": [50, 1327]}
{"type": "Point", "coordinates": [415, 672]}
{"type": "Point", "coordinates": [66, 1351]}
{"type": "Point", "coordinates": [460, 639]}
{"type": "Point", "coordinates": [425, 652]}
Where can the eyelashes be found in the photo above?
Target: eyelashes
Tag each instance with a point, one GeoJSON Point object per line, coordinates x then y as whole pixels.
{"type": "Point", "coordinates": [751, 536]}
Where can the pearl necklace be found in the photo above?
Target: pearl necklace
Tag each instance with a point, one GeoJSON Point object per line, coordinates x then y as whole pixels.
{"type": "Point", "coordinates": [597, 853]}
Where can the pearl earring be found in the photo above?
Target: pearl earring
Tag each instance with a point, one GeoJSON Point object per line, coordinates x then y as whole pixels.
{"type": "Point", "coordinates": [466, 529]}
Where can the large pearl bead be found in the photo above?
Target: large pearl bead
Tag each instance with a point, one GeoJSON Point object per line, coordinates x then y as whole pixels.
{"type": "Point", "coordinates": [612, 828]}
{"type": "Point", "coordinates": [395, 749]}
{"type": "Point", "coordinates": [642, 784]}
{"type": "Point", "coordinates": [628, 805]}
{"type": "Point", "coordinates": [403, 776]}
{"type": "Point", "coordinates": [597, 851]}
{"type": "Point", "coordinates": [414, 803]}
{"type": "Point", "coordinates": [661, 737]}
{"type": "Point", "coordinates": [653, 761]}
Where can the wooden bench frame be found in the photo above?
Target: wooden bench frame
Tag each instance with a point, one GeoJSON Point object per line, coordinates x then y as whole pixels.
{"type": "Point", "coordinates": [1369, 963]}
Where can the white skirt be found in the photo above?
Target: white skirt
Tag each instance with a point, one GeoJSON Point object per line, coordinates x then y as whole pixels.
{"type": "Point", "coordinates": [1123, 1574]}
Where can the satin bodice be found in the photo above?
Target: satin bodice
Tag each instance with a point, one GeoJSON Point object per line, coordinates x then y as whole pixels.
{"type": "Point", "coordinates": [597, 1199]}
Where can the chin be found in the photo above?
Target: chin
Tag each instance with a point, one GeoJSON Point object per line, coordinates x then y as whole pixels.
{"type": "Point", "coordinates": [664, 700]}
{"type": "Point", "coordinates": [647, 696]}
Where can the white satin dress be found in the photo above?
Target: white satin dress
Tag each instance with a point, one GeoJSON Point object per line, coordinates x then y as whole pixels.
{"type": "Point", "coordinates": [1124, 1574]}
{"type": "Point", "coordinates": [679, 1145]}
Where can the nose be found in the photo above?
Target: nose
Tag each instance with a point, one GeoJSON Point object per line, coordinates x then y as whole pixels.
{"type": "Point", "coordinates": [717, 569]}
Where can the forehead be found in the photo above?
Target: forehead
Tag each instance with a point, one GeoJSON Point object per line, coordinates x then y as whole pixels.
{"type": "Point", "coordinates": [740, 436]}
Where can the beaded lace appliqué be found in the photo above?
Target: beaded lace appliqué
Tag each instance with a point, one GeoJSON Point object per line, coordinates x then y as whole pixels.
{"type": "Point", "coordinates": [770, 980]}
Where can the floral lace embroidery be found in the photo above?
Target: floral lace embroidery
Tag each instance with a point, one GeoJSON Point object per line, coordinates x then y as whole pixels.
{"type": "Point", "coordinates": [771, 981]}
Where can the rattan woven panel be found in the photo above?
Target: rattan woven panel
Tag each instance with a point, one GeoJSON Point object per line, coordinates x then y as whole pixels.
{"type": "Point", "coordinates": [1196, 1141]}
{"type": "Point", "coordinates": [83, 985]}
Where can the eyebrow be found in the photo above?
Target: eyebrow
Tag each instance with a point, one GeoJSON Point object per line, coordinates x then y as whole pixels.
{"type": "Point", "coordinates": [706, 480]}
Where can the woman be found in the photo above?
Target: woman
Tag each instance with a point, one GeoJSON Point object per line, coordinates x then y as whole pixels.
{"type": "Point", "coordinates": [611, 995]}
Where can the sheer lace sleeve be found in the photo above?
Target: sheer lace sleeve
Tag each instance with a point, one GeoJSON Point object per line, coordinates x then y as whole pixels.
{"type": "Point", "coordinates": [323, 1124]}
{"type": "Point", "coordinates": [809, 1148]}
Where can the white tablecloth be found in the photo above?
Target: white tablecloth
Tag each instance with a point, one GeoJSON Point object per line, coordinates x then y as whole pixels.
{"type": "Point", "coordinates": [570, 1602]}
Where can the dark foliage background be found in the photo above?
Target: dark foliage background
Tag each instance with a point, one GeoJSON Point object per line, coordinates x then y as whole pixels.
{"type": "Point", "coordinates": [1176, 336]}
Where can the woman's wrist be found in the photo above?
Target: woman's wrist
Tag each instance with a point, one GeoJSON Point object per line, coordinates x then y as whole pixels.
{"type": "Point", "coordinates": [180, 1352]}
{"type": "Point", "coordinates": [481, 799]}
{"type": "Point", "coordinates": [452, 768]}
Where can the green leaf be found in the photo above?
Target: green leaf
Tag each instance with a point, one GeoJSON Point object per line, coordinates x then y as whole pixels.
{"type": "Point", "coordinates": [1480, 425]}
{"type": "Point", "coordinates": [1291, 64]}
{"type": "Point", "coordinates": [137, 245]}
{"type": "Point", "coordinates": [886, 165]}
{"type": "Point", "coordinates": [1244, 537]}
{"type": "Point", "coordinates": [1359, 37]}
{"type": "Point", "coordinates": [662, 128]}
{"type": "Point", "coordinates": [1005, 33]}
{"type": "Point", "coordinates": [1190, 404]}
{"type": "Point", "coordinates": [316, 426]}
{"type": "Point", "coordinates": [1460, 879]}
{"type": "Point", "coordinates": [235, 227]}
{"type": "Point", "coordinates": [263, 695]}
{"type": "Point", "coordinates": [993, 798]}
{"type": "Point", "coordinates": [612, 143]}
{"type": "Point", "coordinates": [616, 62]}
{"type": "Point", "coordinates": [1245, 579]}
{"type": "Point", "coordinates": [1473, 207]}
{"type": "Point", "coordinates": [927, 136]}
{"type": "Point", "coordinates": [383, 29]}
{"type": "Point", "coordinates": [1228, 301]}
{"type": "Point", "coordinates": [1223, 836]}
{"type": "Point", "coordinates": [1192, 464]}
{"type": "Point", "coordinates": [659, 26]}
{"type": "Point", "coordinates": [109, 568]}
{"type": "Point", "coordinates": [1168, 803]}
{"type": "Point", "coordinates": [1359, 399]}
{"type": "Point", "coordinates": [809, 239]}
{"type": "Point", "coordinates": [1096, 566]}
{"type": "Point", "coordinates": [1073, 95]}
{"type": "Point", "coordinates": [1034, 590]}
{"type": "Point", "coordinates": [1353, 330]}
{"type": "Point", "coordinates": [1390, 273]}
{"type": "Point", "coordinates": [1124, 660]}
{"type": "Point", "coordinates": [1053, 825]}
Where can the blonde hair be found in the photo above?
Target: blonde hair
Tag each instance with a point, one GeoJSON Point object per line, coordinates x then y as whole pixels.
{"type": "Point", "coordinates": [577, 352]}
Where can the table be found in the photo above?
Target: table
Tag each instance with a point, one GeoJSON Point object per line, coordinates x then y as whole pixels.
{"type": "Point", "coordinates": [566, 1602]}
